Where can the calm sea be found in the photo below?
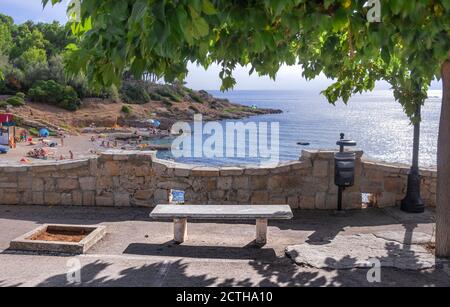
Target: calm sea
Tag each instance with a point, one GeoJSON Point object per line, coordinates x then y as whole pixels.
{"type": "Point", "coordinates": [374, 120]}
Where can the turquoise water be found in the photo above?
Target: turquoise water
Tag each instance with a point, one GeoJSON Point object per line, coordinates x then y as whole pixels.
{"type": "Point", "coordinates": [374, 120]}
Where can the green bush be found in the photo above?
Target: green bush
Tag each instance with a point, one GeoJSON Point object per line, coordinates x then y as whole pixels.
{"type": "Point", "coordinates": [134, 93]}
{"type": "Point", "coordinates": [33, 132]}
{"type": "Point", "coordinates": [54, 93]}
{"type": "Point", "coordinates": [127, 109]}
{"type": "Point", "coordinates": [3, 105]}
{"type": "Point", "coordinates": [15, 101]}
{"type": "Point", "coordinates": [168, 93]}
{"type": "Point", "coordinates": [156, 97]}
{"type": "Point", "coordinates": [21, 95]}
{"type": "Point", "coordinates": [167, 102]}
{"type": "Point", "coordinates": [196, 97]}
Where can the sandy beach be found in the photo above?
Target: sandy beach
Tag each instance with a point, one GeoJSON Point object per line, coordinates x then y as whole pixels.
{"type": "Point", "coordinates": [81, 147]}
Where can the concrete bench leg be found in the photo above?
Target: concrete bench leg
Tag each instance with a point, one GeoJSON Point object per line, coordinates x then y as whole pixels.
{"type": "Point", "coordinates": [261, 231]}
{"type": "Point", "coordinates": [179, 230]}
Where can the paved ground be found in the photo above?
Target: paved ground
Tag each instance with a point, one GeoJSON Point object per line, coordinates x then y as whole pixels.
{"type": "Point", "coordinates": [139, 252]}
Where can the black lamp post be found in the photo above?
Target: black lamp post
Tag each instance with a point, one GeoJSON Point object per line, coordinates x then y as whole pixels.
{"type": "Point", "coordinates": [413, 202]}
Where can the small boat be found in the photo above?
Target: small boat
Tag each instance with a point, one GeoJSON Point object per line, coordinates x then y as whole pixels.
{"type": "Point", "coordinates": [303, 143]}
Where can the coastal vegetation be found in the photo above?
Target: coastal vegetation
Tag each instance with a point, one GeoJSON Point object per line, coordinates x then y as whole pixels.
{"type": "Point", "coordinates": [33, 60]}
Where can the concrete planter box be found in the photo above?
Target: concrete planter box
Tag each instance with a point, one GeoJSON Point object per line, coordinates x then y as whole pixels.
{"type": "Point", "coordinates": [25, 243]}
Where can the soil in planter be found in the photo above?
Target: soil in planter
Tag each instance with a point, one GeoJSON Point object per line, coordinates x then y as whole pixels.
{"type": "Point", "coordinates": [59, 235]}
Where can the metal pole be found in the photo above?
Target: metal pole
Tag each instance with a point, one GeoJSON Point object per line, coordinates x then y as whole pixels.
{"type": "Point", "coordinates": [413, 202]}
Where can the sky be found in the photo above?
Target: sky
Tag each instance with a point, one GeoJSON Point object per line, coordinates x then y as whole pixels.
{"type": "Point", "coordinates": [288, 78]}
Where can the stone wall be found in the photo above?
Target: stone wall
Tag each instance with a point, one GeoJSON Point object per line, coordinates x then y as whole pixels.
{"type": "Point", "coordinates": [120, 178]}
{"type": "Point", "coordinates": [386, 184]}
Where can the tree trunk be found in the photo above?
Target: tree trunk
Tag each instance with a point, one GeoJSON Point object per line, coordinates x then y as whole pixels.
{"type": "Point", "coordinates": [443, 182]}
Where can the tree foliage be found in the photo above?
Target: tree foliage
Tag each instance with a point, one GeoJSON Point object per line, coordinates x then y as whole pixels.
{"type": "Point", "coordinates": [32, 53]}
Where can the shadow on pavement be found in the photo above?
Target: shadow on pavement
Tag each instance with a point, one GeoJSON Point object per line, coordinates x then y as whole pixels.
{"type": "Point", "coordinates": [171, 249]}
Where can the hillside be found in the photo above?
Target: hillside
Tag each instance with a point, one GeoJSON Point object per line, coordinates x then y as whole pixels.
{"type": "Point", "coordinates": [166, 103]}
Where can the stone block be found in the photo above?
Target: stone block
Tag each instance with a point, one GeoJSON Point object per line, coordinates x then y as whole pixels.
{"type": "Point", "coordinates": [77, 198]}
{"type": "Point", "coordinates": [320, 201]}
{"type": "Point", "coordinates": [161, 196]}
{"type": "Point", "coordinates": [231, 171]}
{"type": "Point", "coordinates": [122, 199]}
{"type": "Point", "coordinates": [105, 200]}
{"type": "Point", "coordinates": [321, 168]}
{"type": "Point", "coordinates": [293, 202]}
{"type": "Point", "coordinates": [88, 183]}
{"type": "Point", "coordinates": [44, 168]}
{"type": "Point", "coordinates": [49, 184]}
{"type": "Point", "coordinates": [52, 198]}
{"type": "Point", "coordinates": [142, 171]}
{"type": "Point", "coordinates": [352, 200]}
{"type": "Point", "coordinates": [307, 202]}
{"type": "Point", "coordinates": [171, 185]}
{"type": "Point", "coordinates": [111, 168]}
{"type": "Point", "coordinates": [258, 182]}
{"type": "Point", "coordinates": [105, 182]}
{"type": "Point", "coordinates": [256, 171]}
{"type": "Point", "coordinates": [243, 196]}
{"type": "Point", "coordinates": [301, 165]}
{"type": "Point", "coordinates": [224, 183]}
{"type": "Point", "coordinates": [26, 198]}
{"type": "Point", "coordinates": [395, 185]}
{"type": "Point", "coordinates": [205, 172]}
{"type": "Point", "coordinates": [88, 198]}
{"type": "Point", "coordinates": [24, 183]}
{"type": "Point", "coordinates": [282, 169]}
{"type": "Point", "coordinates": [331, 202]}
{"type": "Point", "coordinates": [277, 183]}
{"type": "Point", "coordinates": [277, 200]}
{"type": "Point", "coordinates": [369, 185]}
{"type": "Point", "coordinates": [159, 168]}
{"type": "Point", "coordinates": [217, 195]}
{"type": "Point", "coordinates": [143, 194]}
{"type": "Point", "coordinates": [8, 185]}
{"type": "Point", "coordinates": [260, 197]}
{"type": "Point", "coordinates": [384, 200]}
{"type": "Point", "coordinates": [38, 198]}
{"type": "Point", "coordinates": [67, 184]}
{"type": "Point", "coordinates": [211, 184]}
{"type": "Point", "coordinates": [241, 183]}
{"type": "Point", "coordinates": [66, 199]}
{"type": "Point", "coordinates": [9, 197]}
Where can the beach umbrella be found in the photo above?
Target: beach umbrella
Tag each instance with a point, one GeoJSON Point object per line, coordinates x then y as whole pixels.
{"type": "Point", "coordinates": [44, 133]}
{"type": "Point", "coordinates": [154, 122]}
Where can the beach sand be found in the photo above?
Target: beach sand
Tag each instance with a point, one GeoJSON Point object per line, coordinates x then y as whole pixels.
{"type": "Point", "coordinates": [81, 147]}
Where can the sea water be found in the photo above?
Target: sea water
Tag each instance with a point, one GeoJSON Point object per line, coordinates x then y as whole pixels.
{"type": "Point", "coordinates": [374, 120]}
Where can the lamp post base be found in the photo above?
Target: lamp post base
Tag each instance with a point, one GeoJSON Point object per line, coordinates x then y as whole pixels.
{"type": "Point", "coordinates": [413, 202]}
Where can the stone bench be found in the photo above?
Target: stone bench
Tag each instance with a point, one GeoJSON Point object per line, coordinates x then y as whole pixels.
{"type": "Point", "coordinates": [261, 213]}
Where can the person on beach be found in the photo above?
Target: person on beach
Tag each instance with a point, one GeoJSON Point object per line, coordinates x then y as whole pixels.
{"type": "Point", "coordinates": [12, 143]}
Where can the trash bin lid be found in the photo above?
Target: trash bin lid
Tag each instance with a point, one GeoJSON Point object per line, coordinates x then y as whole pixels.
{"type": "Point", "coordinates": [345, 156]}
{"type": "Point", "coordinates": [347, 143]}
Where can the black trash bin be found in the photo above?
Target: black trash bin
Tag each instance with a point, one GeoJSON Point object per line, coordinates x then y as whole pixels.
{"type": "Point", "coordinates": [345, 169]}
{"type": "Point", "coordinates": [345, 162]}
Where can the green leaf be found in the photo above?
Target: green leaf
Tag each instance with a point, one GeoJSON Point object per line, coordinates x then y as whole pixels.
{"type": "Point", "coordinates": [208, 8]}
{"type": "Point", "coordinates": [201, 27]}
